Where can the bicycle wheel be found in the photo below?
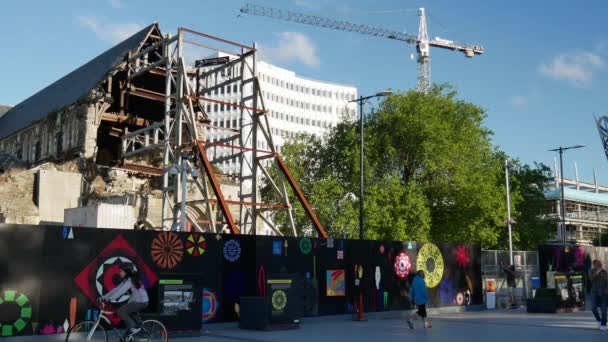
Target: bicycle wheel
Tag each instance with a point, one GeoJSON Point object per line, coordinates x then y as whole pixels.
{"type": "Point", "coordinates": [152, 331]}
{"type": "Point", "coordinates": [81, 331]}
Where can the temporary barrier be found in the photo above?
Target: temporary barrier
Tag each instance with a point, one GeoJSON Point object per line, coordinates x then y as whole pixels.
{"type": "Point", "coordinates": [195, 279]}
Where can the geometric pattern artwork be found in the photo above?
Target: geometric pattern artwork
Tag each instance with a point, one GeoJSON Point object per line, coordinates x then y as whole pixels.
{"type": "Point", "coordinates": [402, 265]}
{"type": "Point", "coordinates": [232, 250]}
{"type": "Point", "coordinates": [446, 291]}
{"type": "Point", "coordinates": [167, 250]}
{"type": "Point", "coordinates": [196, 244]}
{"type": "Point", "coordinates": [210, 305]}
{"type": "Point", "coordinates": [118, 249]}
{"type": "Point", "coordinates": [73, 307]}
{"type": "Point", "coordinates": [335, 283]}
{"type": "Point", "coordinates": [459, 300]}
{"type": "Point", "coordinates": [261, 281]}
{"type": "Point", "coordinates": [107, 276]}
{"type": "Point", "coordinates": [305, 245]}
{"type": "Point", "coordinates": [67, 233]}
{"type": "Point", "coordinates": [25, 312]}
{"type": "Point", "coordinates": [279, 300]}
{"type": "Point", "coordinates": [430, 260]}
{"type": "Point", "coordinates": [462, 256]}
{"type": "Point", "coordinates": [340, 255]}
{"type": "Point", "coordinates": [277, 248]}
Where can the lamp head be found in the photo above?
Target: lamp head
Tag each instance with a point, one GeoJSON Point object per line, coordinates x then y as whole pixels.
{"type": "Point", "coordinates": [384, 93]}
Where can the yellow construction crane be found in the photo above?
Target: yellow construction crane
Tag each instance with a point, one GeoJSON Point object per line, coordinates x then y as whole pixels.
{"type": "Point", "coordinates": [421, 41]}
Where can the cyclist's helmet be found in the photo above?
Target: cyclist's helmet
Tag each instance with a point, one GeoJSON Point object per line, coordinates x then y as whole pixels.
{"type": "Point", "coordinates": [128, 267]}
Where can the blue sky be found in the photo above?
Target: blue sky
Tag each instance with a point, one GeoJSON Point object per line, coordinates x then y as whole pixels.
{"type": "Point", "coordinates": [541, 80]}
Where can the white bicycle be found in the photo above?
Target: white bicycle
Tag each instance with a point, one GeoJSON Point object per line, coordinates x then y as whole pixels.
{"type": "Point", "coordinates": [151, 330]}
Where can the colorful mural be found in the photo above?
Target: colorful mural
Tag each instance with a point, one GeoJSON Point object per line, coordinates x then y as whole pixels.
{"type": "Point", "coordinates": [205, 275]}
{"type": "Point", "coordinates": [335, 283]}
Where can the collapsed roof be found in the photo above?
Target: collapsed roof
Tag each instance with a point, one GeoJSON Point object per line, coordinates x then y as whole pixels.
{"type": "Point", "coordinates": [71, 88]}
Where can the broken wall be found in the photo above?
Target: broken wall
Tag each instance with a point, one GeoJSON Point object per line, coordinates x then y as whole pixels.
{"type": "Point", "coordinates": [57, 191]}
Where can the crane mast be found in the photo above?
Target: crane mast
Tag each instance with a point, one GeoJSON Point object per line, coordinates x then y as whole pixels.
{"type": "Point", "coordinates": [424, 51]}
{"type": "Point", "coordinates": [422, 41]}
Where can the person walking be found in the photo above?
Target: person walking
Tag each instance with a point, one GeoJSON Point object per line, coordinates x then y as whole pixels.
{"type": "Point", "coordinates": [599, 293]}
{"type": "Point", "coordinates": [419, 296]}
{"type": "Point", "coordinates": [511, 284]}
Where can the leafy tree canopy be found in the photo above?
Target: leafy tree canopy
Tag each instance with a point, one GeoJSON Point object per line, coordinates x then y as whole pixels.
{"type": "Point", "coordinates": [431, 174]}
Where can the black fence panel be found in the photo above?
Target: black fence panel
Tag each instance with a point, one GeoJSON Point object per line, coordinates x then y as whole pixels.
{"type": "Point", "coordinates": [50, 276]}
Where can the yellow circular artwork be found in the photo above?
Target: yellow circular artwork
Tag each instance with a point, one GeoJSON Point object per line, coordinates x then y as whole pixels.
{"type": "Point", "coordinates": [430, 260]}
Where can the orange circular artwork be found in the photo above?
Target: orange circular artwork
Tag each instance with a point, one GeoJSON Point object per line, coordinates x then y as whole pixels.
{"type": "Point", "coordinates": [167, 250]}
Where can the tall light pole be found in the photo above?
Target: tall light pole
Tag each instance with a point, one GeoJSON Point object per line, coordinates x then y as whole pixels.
{"type": "Point", "coordinates": [361, 100]}
{"type": "Point", "coordinates": [509, 212]}
{"type": "Point", "coordinates": [561, 176]}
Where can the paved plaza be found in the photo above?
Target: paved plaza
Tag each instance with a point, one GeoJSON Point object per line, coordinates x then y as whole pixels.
{"type": "Point", "coordinates": [494, 326]}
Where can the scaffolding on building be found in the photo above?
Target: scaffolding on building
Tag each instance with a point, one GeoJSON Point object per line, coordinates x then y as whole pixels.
{"type": "Point", "coordinates": [585, 209]}
{"type": "Point", "coordinates": [181, 137]}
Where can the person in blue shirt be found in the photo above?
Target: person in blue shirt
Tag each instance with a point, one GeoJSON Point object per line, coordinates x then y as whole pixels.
{"type": "Point", "coordinates": [419, 296]}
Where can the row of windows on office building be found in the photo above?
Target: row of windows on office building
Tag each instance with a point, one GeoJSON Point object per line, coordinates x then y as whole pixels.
{"type": "Point", "coordinates": [308, 90]}
{"type": "Point", "coordinates": [229, 89]}
{"type": "Point", "coordinates": [216, 135]}
{"type": "Point", "coordinates": [283, 100]}
{"type": "Point", "coordinates": [338, 95]}
{"type": "Point", "coordinates": [232, 122]}
{"type": "Point", "coordinates": [300, 104]}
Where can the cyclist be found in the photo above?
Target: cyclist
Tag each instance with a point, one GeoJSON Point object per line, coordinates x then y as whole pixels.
{"type": "Point", "coordinates": [138, 301]}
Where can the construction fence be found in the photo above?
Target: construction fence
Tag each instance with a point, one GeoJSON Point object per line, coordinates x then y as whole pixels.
{"type": "Point", "coordinates": [526, 267]}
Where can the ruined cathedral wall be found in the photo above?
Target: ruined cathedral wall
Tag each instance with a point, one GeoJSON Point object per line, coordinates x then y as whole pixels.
{"type": "Point", "coordinates": [64, 135]}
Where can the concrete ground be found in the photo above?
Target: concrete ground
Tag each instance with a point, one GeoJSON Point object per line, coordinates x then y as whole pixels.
{"type": "Point", "coordinates": [494, 326]}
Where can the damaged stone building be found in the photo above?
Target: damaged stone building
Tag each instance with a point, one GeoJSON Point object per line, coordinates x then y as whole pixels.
{"type": "Point", "coordinates": [120, 136]}
{"type": "Point", "coordinates": [69, 134]}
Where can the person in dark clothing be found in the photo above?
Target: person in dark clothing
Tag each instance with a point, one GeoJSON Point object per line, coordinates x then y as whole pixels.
{"type": "Point", "coordinates": [419, 296]}
{"type": "Point", "coordinates": [511, 284]}
{"type": "Point", "coordinates": [599, 293]}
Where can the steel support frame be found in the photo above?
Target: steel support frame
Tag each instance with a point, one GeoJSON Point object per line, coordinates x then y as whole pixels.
{"type": "Point", "coordinates": [181, 131]}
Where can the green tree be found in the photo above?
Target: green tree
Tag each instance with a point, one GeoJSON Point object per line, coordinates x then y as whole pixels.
{"type": "Point", "coordinates": [431, 173]}
{"type": "Point", "coordinates": [528, 184]}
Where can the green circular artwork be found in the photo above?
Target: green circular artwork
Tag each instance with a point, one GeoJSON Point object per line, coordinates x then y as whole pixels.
{"type": "Point", "coordinates": [305, 245]}
{"type": "Point", "coordinates": [279, 300]}
{"type": "Point", "coordinates": [25, 312]}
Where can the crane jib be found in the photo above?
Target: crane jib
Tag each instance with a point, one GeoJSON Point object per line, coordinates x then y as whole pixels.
{"type": "Point", "coordinates": [421, 41]}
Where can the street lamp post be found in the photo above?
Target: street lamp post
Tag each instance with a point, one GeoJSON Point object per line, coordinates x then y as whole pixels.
{"type": "Point", "coordinates": [509, 212]}
{"type": "Point", "coordinates": [561, 176]}
{"type": "Point", "coordinates": [361, 100]}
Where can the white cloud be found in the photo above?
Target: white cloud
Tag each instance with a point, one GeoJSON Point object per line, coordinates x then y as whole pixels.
{"type": "Point", "coordinates": [577, 68]}
{"type": "Point", "coordinates": [109, 32]}
{"type": "Point", "coordinates": [519, 101]}
{"type": "Point", "coordinates": [292, 46]}
{"type": "Point", "coordinates": [116, 3]}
